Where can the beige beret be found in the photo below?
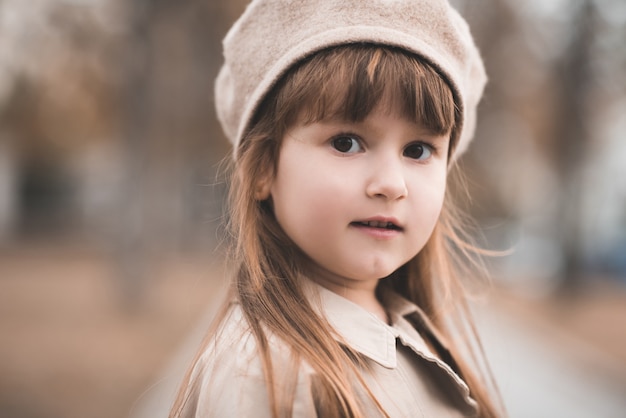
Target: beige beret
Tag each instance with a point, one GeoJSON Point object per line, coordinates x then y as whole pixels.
{"type": "Point", "coordinates": [273, 35]}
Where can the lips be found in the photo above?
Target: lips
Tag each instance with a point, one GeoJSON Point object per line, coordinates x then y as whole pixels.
{"type": "Point", "coordinates": [378, 224]}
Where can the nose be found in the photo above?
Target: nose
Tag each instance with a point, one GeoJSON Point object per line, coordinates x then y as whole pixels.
{"type": "Point", "coordinates": [387, 180]}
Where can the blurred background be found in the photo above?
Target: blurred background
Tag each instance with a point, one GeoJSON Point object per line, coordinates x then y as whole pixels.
{"type": "Point", "coordinates": [111, 191]}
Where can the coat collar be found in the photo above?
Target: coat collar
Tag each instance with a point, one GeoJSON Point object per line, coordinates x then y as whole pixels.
{"type": "Point", "coordinates": [371, 337]}
{"type": "Point", "coordinates": [367, 334]}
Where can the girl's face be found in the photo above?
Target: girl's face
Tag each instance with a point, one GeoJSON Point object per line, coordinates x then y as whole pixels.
{"type": "Point", "coordinates": [360, 199]}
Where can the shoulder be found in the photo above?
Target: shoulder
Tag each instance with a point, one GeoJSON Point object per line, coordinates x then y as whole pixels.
{"type": "Point", "coordinates": [234, 344]}
{"type": "Point", "coordinates": [229, 374]}
{"type": "Point", "coordinates": [233, 341]}
{"type": "Point", "coordinates": [230, 353]}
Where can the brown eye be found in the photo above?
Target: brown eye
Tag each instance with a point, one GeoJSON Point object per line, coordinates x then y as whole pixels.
{"type": "Point", "coordinates": [346, 144]}
{"type": "Point", "coordinates": [418, 151]}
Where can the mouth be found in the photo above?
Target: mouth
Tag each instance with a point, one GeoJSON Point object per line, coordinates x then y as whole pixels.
{"type": "Point", "coordinates": [383, 225]}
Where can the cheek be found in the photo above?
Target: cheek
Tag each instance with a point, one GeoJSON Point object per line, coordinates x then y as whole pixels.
{"type": "Point", "coordinates": [304, 197]}
{"type": "Point", "coordinates": [428, 195]}
{"type": "Point", "coordinates": [437, 194]}
{"type": "Point", "coordinates": [291, 192]}
{"type": "Point", "coordinates": [310, 198]}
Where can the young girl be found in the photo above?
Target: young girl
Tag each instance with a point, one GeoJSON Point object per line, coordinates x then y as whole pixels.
{"type": "Point", "coordinates": [346, 117]}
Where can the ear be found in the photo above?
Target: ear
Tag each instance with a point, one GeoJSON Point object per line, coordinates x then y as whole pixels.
{"type": "Point", "coordinates": [263, 187]}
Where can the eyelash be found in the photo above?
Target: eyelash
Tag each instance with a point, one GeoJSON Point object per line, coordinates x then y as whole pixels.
{"type": "Point", "coordinates": [429, 148]}
{"type": "Point", "coordinates": [353, 137]}
{"type": "Point", "coordinates": [426, 147]}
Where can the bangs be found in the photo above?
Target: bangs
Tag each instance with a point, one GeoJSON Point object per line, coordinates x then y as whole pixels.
{"type": "Point", "coordinates": [348, 82]}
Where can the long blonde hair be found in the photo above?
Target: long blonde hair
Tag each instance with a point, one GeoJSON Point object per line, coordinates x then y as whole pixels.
{"type": "Point", "coordinates": [346, 82]}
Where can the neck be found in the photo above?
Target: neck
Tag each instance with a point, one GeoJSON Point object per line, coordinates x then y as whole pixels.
{"type": "Point", "coordinates": [362, 293]}
{"type": "Point", "coordinates": [366, 299]}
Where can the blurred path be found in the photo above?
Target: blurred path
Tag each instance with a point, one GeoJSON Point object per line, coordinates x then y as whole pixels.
{"type": "Point", "coordinates": [543, 372]}
{"type": "Point", "coordinates": [156, 401]}
{"type": "Point", "coordinates": [70, 347]}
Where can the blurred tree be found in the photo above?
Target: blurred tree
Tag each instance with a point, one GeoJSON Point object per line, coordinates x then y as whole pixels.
{"type": "Point", "coordinates": [573, 138]}
{"type": "Point", "coordinates": [555, 68]}
{"type": "Point", "coordinates": [172, 141]}
{"type": "Point", "coordinates": [132, 77]}
{"type": "Point", "coordinates": [54, 100]}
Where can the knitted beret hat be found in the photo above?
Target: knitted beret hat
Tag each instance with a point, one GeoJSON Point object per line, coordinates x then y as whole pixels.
{"type": "Point", "coordinates": [273, 35]}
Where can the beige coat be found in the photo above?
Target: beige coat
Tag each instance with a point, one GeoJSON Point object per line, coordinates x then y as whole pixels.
{"type": "Point", "coordinates": [403, 373]}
